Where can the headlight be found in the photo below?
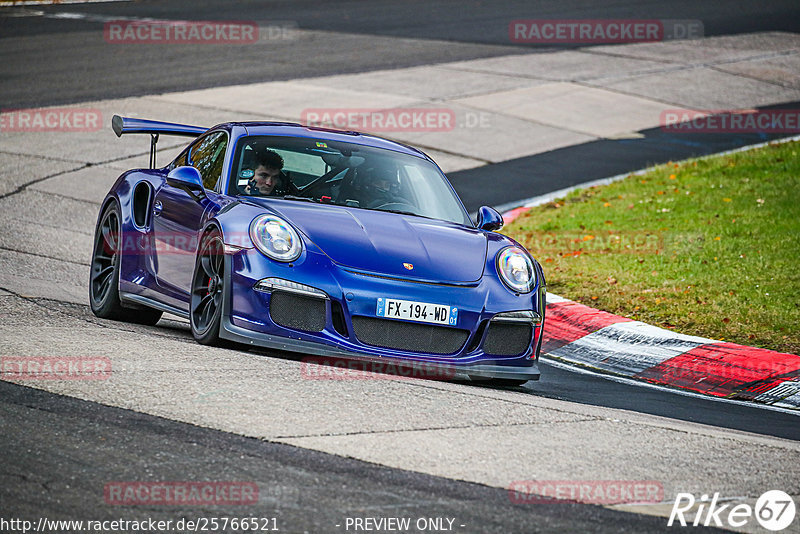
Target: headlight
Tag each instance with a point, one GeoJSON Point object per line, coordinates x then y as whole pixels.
{"type": "Point", "coordinates": [516, 269]}
{"type": "Point", "coordinates": [275, 238]}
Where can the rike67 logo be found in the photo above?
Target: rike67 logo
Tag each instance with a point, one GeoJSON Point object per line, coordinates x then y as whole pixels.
{"type": "Point", "coordinates": [774, 510]}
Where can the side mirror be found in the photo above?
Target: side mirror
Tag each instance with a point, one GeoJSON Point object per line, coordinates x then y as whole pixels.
{"type": "Point", "coordinates": [489, 219]}
{"type": "Point", "coordinates": [186, 178]}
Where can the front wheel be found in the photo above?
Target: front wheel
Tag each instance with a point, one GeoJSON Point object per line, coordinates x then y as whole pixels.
{"type": "Point", "coordinates": [208, 287]}
{"type": "Point", "coordinates": [104, 274]}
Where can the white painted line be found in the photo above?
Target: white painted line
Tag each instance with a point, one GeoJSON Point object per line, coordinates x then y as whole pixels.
{"type": "Point", "coordinates": [552, 298]}
{"type": "Point", "coordinates": [284, 26]}
{"type": "Point", "coordinates": [788, 392]}
{"type": "Point", "coordinates": [627, 348]}
{"type": "Point", "coordinates": [549, 197]}
{"type": "Point", "coordinates": [92, 17]}
{"type": "Point", "coordinates": [14, 3]}
{"type": "Point", "coordinates": [685, 393]}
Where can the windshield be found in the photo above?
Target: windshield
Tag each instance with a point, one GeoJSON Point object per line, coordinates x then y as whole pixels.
{"type": "Point", "coordinates": [343, 174]}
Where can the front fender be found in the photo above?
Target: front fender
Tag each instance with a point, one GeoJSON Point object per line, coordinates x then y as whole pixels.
{"type": "Point", "coordinates": [233, 222]}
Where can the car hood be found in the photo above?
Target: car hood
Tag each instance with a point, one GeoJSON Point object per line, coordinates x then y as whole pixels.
{"type": "Point", "coordinates": [383, 242]}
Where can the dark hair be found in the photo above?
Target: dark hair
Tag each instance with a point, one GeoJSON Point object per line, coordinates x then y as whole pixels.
{"type": "Point", "coordinates": [270, 159]}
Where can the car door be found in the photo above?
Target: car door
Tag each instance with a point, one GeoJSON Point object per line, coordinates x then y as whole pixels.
{"type": "Point", "coordinates": [178, 216]}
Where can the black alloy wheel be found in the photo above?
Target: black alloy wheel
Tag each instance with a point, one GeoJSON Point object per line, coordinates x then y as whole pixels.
{"type": "Point", "coordinates": [104, 274]}
{"type": "Point", "coordinates": [208, 287]}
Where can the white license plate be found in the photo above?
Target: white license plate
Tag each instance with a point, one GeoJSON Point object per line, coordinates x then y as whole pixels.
{"type": "Point", "coordinates": [409, 310]}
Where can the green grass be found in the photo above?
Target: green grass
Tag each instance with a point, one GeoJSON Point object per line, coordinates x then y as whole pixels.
{"type": "Point", "coordinates": [709, 247]}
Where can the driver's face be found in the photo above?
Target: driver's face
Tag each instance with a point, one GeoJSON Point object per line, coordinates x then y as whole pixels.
{"type": "Point", "coordinates": [382, 185]}
{"type": "Point", "coordinates": [266, 179]}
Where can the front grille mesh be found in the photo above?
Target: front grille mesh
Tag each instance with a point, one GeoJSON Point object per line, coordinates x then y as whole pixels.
{"type": "Point", "coordinates": [297, 312]}
{"type": "Point", "coordinates": [411, 337]}
{"type": "Point", "coordinates": [507, 339]}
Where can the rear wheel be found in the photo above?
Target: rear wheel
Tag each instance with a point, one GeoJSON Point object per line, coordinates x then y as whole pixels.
{"type": "Point", "coordinates": [208, 287]}
{"type": "Point", "coordinates": [104, 274]}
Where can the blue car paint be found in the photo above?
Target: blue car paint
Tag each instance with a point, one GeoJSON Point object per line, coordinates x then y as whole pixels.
{"type": "Point", "coordinates": [358, 259]}
{"type": "Point", "coordinates": [376, 240]}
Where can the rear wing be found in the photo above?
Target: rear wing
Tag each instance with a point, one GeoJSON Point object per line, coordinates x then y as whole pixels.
{"type": "Point", "coordinates": [127, 125]}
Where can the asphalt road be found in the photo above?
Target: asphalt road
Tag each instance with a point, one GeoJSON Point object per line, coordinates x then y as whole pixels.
{"type": "Point", "coordinates": [59, 451]}
{"type": "Point", "coordinates": [59, 472]}
{"type": "Point", "coordinates": [41, 55]}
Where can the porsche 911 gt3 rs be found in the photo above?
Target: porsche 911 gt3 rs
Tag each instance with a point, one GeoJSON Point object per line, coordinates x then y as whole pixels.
{"type": "Point", "coordinates": [328, 243]}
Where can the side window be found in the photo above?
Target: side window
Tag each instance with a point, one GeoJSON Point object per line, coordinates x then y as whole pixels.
{"type": "Point", "coordinates": [208, 157]}
{"type": "Point", "coordinates": [180, 161]}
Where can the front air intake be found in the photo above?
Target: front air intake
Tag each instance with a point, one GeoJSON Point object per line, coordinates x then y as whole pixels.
{"type": "Point", "coordinates": [507, 339]}
{"type": "Point", "coordinates": [411, 337]}
{"type": "Point", "coordinates": [297, 312]}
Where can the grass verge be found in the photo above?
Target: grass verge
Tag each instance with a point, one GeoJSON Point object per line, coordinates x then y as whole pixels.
{"type": "Point", "coordinates": [708, 247]}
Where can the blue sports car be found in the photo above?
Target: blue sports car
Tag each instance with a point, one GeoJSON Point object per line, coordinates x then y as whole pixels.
{"type": "Point", "coordinates": [328, 243]}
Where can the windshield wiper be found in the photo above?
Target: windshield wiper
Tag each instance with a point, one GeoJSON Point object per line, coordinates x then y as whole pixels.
{"type": "Point", "coordinates": [295, 197]}
{"type": "Point", "coordinates": [401, 212]}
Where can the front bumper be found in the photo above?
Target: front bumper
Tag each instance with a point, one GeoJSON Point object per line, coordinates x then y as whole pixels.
{"type": "Point", "coordinates": [453, 371]}
{"type": "Point", "coordinates": [246, 316]}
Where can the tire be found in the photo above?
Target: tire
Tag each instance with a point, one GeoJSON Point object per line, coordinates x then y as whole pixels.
{"type": "Point", "coordinates": [208, 288]}
{"type": "Point", "coordinates": [104, 274]}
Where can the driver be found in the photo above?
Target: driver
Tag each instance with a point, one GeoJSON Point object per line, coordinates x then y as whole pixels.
{"type": "Point", "coordinates": [269, 178]}
{"type": "Point", "coordinates": [381, 188]}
